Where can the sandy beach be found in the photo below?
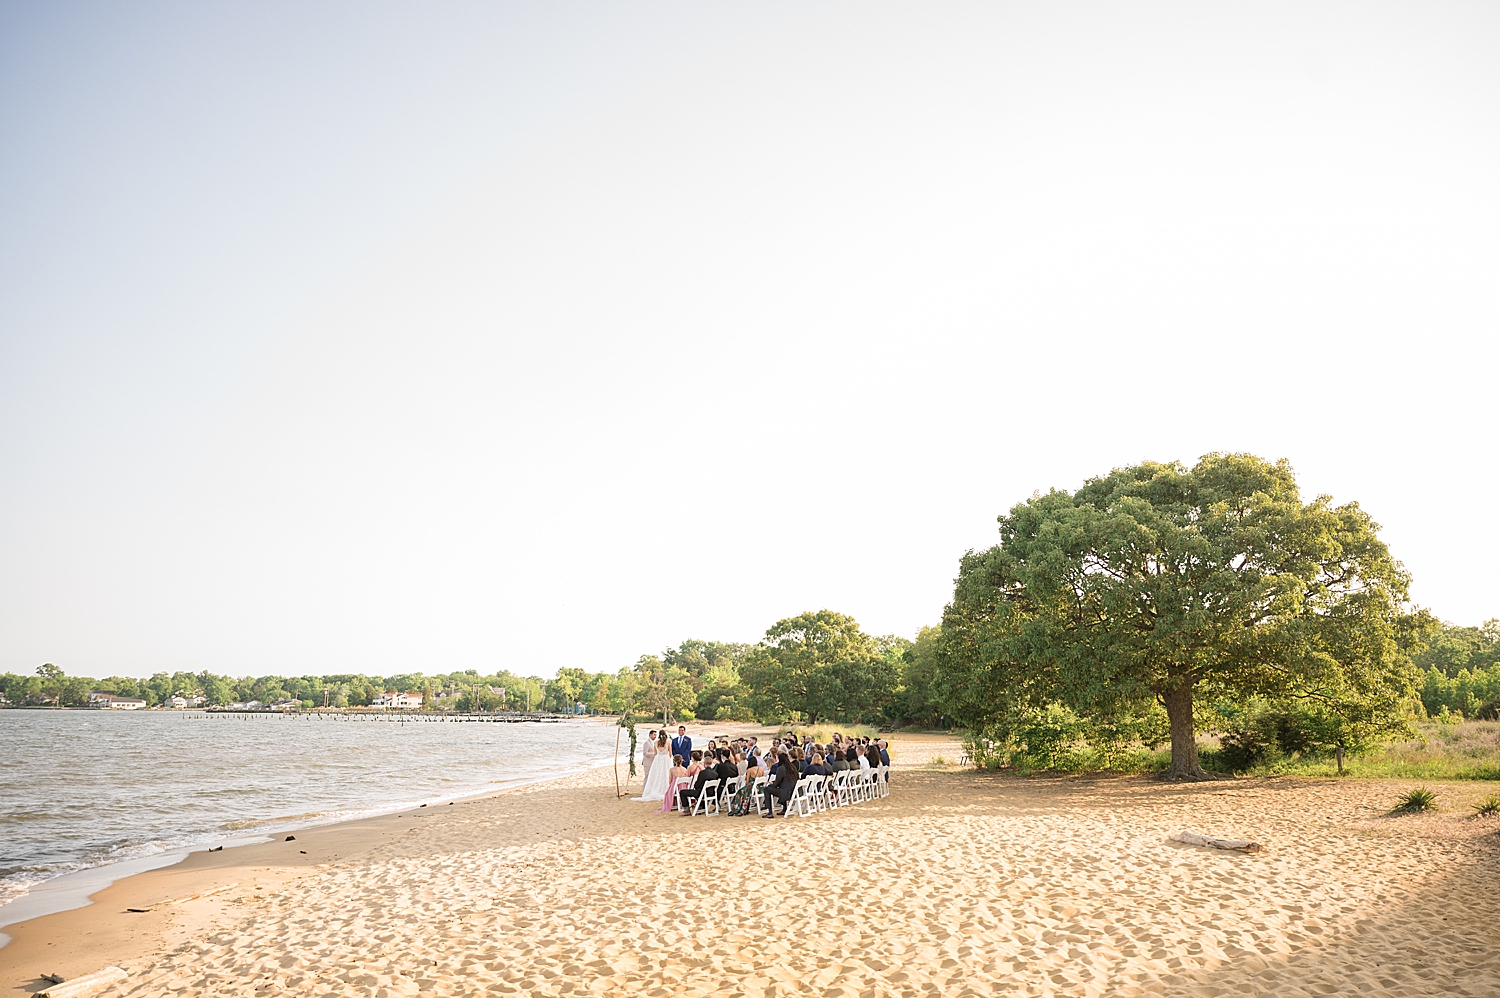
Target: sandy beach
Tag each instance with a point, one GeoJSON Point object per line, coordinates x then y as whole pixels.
{"type": "Point", "coordinates": [955, 884]}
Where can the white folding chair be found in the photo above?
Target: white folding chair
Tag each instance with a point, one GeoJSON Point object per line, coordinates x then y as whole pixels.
{"type": "Point", "coordinates": [842, 796]}
{"type": "Point", "coordinates": [707, 798]}
{"type": "Point", "coordinates": [862, 786]}
{"type": "Point", "coordinates": [800, 802]}
{"type": "Point", "coordinates": [680, 783]}
{"type": "Point", "coordinates": [757, 794]}
{"type": "Point", "coordinates": [731, 787]}
{"type": "Point", "coordinates": [883, 780]}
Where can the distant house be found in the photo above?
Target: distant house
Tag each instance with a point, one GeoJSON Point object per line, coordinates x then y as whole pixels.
{"type": "Point", "coordinates": [401, 701]}
{"type": "Point", "coordinates": [111, 702]}
{"type": "Point", "coordinates": [285, 704]}
{"type": "Point", "coordinates": [179, 701]}
{"type": "Point", "coordinates": [247, 705]}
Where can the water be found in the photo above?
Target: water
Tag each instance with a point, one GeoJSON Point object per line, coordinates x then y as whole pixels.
{"type": "Point", "coordinates": [81, 789]}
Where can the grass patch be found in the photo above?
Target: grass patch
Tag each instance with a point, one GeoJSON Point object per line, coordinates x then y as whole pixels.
{"type": "Point", "coordinates": [822, 734]}
{"type": "Point", "coordinates": [1487, 808]}
{"type": "Point", "coordinates": [1469, 750]}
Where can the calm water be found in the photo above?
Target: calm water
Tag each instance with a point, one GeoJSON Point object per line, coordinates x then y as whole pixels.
{"type": "Point", "coordinates": [84, 788]}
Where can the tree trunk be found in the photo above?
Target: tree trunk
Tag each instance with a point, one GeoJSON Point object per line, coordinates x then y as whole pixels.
{"type": "Point", "coordinates": [1179, 704]}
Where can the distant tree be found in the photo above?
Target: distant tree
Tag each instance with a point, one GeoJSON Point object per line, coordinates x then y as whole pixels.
{"type": "Point", "coordinates": [819, 665]}
{"type": "Point", "coordinates": [1451, 648]}
{"type": "Point", "coordinates": [53, 679]}
{"type": "Point", "coordinates": [1162, 582]}
{"type": "Point", "coordinates": [662, 690]}
{"type": "Point", "coordinates": [917, 699]}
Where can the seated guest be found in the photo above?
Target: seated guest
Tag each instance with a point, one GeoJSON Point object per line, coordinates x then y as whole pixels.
{"type": "Point", "coordinates": [677, 772]}
{"type": "Point", "coordinates": [697, 762]}
{"type": "Point", "coordinates": [839, 763]}
{"type": "Point", "coordinates": [819, 767]}
{"type": "Point", "coordinates": [725, 770]}
{"type": "Point", "coordinates": [782, 785]}
{"type": "Point", "coordinates": [743, 803]}
{"type": "Point", "coordinates": [872, 758]}
{"type": "Point", "coordinates": [856, 761]}
{"type": "Point", "coordinates": [740, 763]}
{"type": "Point", "coordinates": [687, 795]}
{"type": "Point", "coordinates": [885, 755]}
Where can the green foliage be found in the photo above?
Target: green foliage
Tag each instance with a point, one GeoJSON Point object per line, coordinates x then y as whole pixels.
{"type": "Point", "coordinates": [1417, 799]}
{"type": "Point", "coordinates": [1260, 730]}
{"type": "Point", "coordinates": [1487, 808]}
{"type": "Point", "coordinates": [1158, 583]}
{"type": "Point", "coordinates": [1054, 737]}
{"type": "Point", "coordinates": [1451, 649]}
{"type": "Point", "coordinates": [1470, 693]}
{"type": "Point", "coordinates": [822, 666]}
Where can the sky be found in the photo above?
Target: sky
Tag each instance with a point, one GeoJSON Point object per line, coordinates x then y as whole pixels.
{"type": "Point", "coordinates": [390, 337]}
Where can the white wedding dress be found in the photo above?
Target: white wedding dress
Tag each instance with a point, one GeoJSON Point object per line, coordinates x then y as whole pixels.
{"type": "Point", "coordinates": [657, 779]}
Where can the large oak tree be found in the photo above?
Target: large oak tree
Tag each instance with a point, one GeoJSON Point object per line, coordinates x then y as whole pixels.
{"type": "Point", "coordinates": [1167, 583]}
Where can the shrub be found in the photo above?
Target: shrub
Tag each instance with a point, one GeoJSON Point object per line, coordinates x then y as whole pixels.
{"type": "Point", "coordinates": [1489, 807]}
{"type": "Point", "coordinates": [1418, 799]}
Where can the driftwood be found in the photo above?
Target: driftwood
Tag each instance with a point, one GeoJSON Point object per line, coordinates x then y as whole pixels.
{"type": "Point", "coordinates": [188, 897]}
{"type": "Point", "coordinates": [1194, 839]}
{"type": "Point", "coordinates": [87, 984]}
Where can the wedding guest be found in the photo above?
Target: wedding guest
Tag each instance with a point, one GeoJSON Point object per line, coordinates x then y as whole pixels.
{"type": "Point", "coordinates": [696, 763]}
{"type": "Point", "coordinates": [839, 763]}
{"type": "Point", "coordinates": [678, 772]}
{"type": "Point", "coordinates": [688, 795]}
{"type": "Point", "coordinates": [725, 770]}
{"type": "Point", "coordinates": [819, 767]}
{"type": "Point", "coordinates": [782, 785]}
{"type": "Point", "coordinates": [885, 755]}
{"type": "Point", "coordinates": [743, 801]}
{"type": "Point", "coordinates": [741, 764]}
{"type": "Point", "coordinates": [872, 758]}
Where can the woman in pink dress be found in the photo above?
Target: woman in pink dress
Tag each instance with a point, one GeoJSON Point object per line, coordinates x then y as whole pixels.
{"type": "Point", "coordinates": [678, 776]}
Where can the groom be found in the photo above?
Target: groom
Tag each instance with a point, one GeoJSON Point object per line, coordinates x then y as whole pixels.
{"type": "Point", "coordinates": [682, 745]}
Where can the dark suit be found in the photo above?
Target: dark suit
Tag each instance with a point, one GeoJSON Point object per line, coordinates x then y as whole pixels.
{"type": "Point", "coordinates": [683, 746]}
{"type": "Point", "coordinates": [685, 798]}
{"type": "Point", "coordinates": [784, 786]}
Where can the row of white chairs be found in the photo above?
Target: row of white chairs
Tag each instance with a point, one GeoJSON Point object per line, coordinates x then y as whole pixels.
{"type": "Point", "coordinates": [810, 795]}
{"type": "Point", "coordinates": [842, 789]}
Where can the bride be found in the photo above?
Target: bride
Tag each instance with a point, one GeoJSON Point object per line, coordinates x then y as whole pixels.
{"type": "Point", "coordinates": [660, 774]}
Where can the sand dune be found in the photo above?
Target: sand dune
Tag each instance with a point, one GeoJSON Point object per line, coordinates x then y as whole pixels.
{"type": "Point", "coordinates": [954, 885]}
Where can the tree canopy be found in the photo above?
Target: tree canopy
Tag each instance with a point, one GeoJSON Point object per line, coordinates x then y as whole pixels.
{"type": "Point", "coordinates": [1162, 583]}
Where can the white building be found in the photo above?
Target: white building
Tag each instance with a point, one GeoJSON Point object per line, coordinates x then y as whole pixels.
{"type": "Point", "coordinates": [285, 705]}
{"type": "Point", "coordinates": [112, 702]}
{"type": "Point", "coordinates": [179, 701]}
{"type": "Point", "coordinates": [401, 701]}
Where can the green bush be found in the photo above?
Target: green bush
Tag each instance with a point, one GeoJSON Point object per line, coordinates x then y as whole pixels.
{"type": "Point", "coordinates": [1489, 807]}
{"type": "Point", "coordinates": [1417, 799]}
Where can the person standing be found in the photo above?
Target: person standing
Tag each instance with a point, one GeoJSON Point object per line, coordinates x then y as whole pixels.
{"type": "Point", "coordinates": [682, 745]}
{"type": "Point", "coordinates": [648, 752]}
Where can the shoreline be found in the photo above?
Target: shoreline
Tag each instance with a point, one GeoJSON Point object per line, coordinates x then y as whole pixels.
{"type": "Point", "coordinates": [71, 888]}
{"type": "Point", "coordinates": [74, 889]}
{"type": "Point", "coordinates": [138, 877]}
{"type": "Point", "coordinates": [99, 923]}
{"type": "Point", "coordinates": [976, 882]}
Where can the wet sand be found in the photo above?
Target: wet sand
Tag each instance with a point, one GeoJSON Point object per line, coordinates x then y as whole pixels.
{"type": "Point", "coordinates": [955, 884]}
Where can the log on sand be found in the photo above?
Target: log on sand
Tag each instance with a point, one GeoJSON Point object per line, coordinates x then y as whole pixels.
{"type": "Point", "coordinates": [87, 984]}
{"type": "Point", "coordinates": [1194, 839]}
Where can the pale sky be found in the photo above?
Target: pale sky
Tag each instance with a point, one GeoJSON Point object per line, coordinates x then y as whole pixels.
{"type": "Point", "coordinates": [397, 337]}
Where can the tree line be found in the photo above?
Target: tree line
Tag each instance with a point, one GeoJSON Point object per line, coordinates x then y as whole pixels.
{"type": "Point", "coordinates": [1153, 604]}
